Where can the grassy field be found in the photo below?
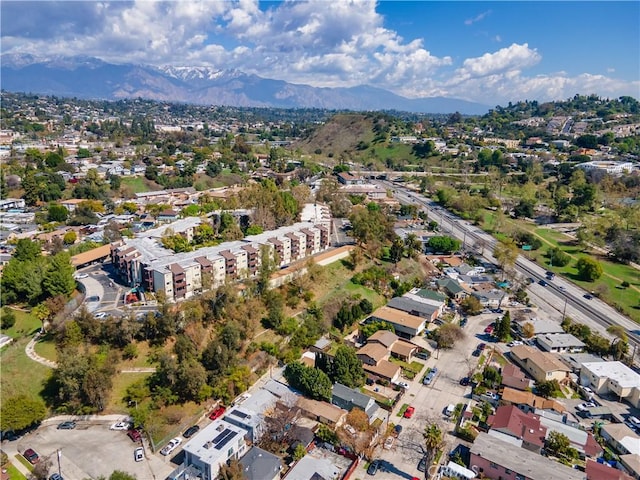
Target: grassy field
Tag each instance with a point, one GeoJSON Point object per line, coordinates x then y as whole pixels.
{"type": "Point", "coordinates": [608, 286]}
{"type": "Point", "coordinates": [26, 325]}
{"type": "Point", "coordinates": [136, 184]}
{"type": "Point", "coordinates": [47, 348]}
{"type": "Point", "coordinates": [338, 284]}
{"type": "Point", "coordinates": [20, 374]}
{"type": "Point", "coordinates": [120, 383]}
{"type": "Point", "coordinates": [13, 472]}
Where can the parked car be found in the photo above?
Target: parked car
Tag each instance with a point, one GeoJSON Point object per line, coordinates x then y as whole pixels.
{"type": "Point", "coordinates": [424, 355]}
{"type": "Point", "coordinates": [56, 476]}
{"type": "Point", "coordinates": [448, 411]}
{"type": "Point", "coordinates": [120, 426]}
{"type": "Point", "coordinates": [191, 431]}
{"type": "Point", "coordinates": [388, 443]}
{"type": "Point", "coordinates": [404, 385]}
{"type": "Point", "coordinates": [373, 467]}
{"type": "Point", "coordinates": [489, 329]}
{"type": "Point", "coordinates": [135, 435]}
{"type": "Point", "coordinates": [430, 376]}
{"type": "Point", "coordinates": [515, 343]}
{"type": "Point", "coordinates": [101, 315]}
{"type": "Point", "coordinates": [70, 425]}
{"type": "Point", "coordinates": [217, 413]}
{"type": "Point", "coordinates": [635, 421]}
{"type": "Point", "coordinates": [397, 429]}
{"type": "Point", "coordinates": [476, 353]}
{"type": "Point", "coordinates": [31, 456]}
{"type": "Point", "coordinates": [408, 413]}
{"type": "Point", "coordinates": [587, 393]}
{"type": "Point", "coordinates": [463, 322]}
{"type": "Point", "coordinates": [491, 395]}
{"type": "Point", "coordinates": [80, 276]}
{"type": "Point", "coordinates": [464, 381]}
{"type": "Point", "coordinates": [138, 454]}
{"type": "Point", "coordinates": [422, 464]}
{"type": "Point", "coordinates": [481, 346]}
{"type": "Point", "coordinates": [171, 446]}
{"type": "Point", "coordinates": [583, 407]}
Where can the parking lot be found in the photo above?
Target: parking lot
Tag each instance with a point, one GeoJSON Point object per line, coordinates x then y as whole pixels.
{"type": "Point", "coordinates": [91, 450]}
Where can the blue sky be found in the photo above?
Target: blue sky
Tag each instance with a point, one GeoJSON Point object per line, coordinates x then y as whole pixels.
{"type": "Point", "coordinates": [489, 52]}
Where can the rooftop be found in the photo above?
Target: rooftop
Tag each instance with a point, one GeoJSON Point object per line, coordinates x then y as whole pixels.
{"type": "Point", "coordinates": [398, 317]}
{"type": "Point", "coordinates": [546, 361]}
{"type": "Point", "coordinates": [258, 464]}
{"type": "Point", "coordinates": [615, 371]}
{"type": "Point", "coordinates": [411, 306]}
{"type": "Point", "coordinates": [520, 460]}
{"type": "Point", "coordinates": [212, 443]}
{"type": "Point", "coordinates": [319, 463]}
{"type": "Point", "coordinates": [561, 340]}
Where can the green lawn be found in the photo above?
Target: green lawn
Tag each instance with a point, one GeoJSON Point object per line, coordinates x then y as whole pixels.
{"type": "Point", "coordinates": [13, 472]}
{"type": "Point", "coordinates": [136, 184]}
{"type": "Point", "coordinates": [120, 383]}
{"type": "Point", "coordinates": [25, 462]}
{"type": "Point", "coordinates": [26, 325]}
{"type": "Point", "coordinates": [20, 374]}
{"type": "Point", "coordinates": [47, 348]}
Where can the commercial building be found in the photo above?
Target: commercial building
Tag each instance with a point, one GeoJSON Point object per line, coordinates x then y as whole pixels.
{"type": "Point", "coordinates": [612, 377]}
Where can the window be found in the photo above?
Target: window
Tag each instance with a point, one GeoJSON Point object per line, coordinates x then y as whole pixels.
{"type": "Point", "coordinates": [520, 477]}
{"type": "Point", "coordinates": [493, 465]}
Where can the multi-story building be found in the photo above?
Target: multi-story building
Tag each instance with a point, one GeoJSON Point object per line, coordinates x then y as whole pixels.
{"type": "Point", "coordinates": [143, 262]}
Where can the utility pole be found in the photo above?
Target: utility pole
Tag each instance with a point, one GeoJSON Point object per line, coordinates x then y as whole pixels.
{"type": "Point", "coordinates": [59, 454]}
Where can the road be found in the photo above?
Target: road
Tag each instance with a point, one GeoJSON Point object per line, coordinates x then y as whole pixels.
{"type": "Point", "coordinates": [561, 294]}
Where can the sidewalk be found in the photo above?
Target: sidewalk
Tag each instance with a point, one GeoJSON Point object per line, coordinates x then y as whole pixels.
{"type": "Point", "coordinates": [31, 353]}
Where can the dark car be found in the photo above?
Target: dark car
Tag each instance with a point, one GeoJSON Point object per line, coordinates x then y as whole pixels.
{"type": "Point", "coordinates": [397, 429]}
{"type": "Point", "coordinates": [373, 467]}
{"type": "Point", "coordinates": [67, 425]}
{"type": "Point", "coordinates": [56, 476]}
{"type": "Point", "coordinates": [191, 431]}
{"type": "Point", "coordinates": [422, 464]}
{"type": "Point", "coordinates": [481, 346]}
{"type": "Point", "coordinates": [543, 283]}
{"type": "Point", "coordinates": [476, 353]}
{"type": "Point", "coordinates": [464, 381]}
{"type": "Point", "coordinates": [31, 455]}
{"type": "Point", "coordinates": [588, 296]}
{"type": "Point", "coordinates": [135, 435]}
{"type": "Point", "coordinates": [463, 322]}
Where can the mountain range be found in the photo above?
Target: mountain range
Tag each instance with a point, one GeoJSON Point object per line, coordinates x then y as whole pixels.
{"type": "Point", "coordinates": [92, 78]}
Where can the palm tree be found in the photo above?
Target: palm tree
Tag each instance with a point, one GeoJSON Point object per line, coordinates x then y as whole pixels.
{"type": "Point", "coordinates": [433, 439]}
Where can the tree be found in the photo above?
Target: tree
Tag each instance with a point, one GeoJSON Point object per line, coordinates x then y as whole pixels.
{"type": "Point", "coordinates": [41, 469]}
{"type": "Point", "coordinates": [232, 470]}
{"type": "Point", "coordinates": [370, 328]}
{"type": "Point", "coordinates": [558, 258]}
{"type": "Point", "coordinates": [310, 381]}
{"type": "Point", "coordinates": [70, 238]}
{"type": "Point", "coordinates": [559, 444]}
{"type": "Point", "coordinates": [589, 269]}
{"type": "Point", "coordinates": [444, 244]}
{"type": "Point", "coordinates": [397, 250]}
{"type": "Point", "coordinates": [57, 213]}
{"type": "Point", "coordinates": [448, 334]}
{"type": "Point", "coordinates": [20, 412]}
{"type": "Point", "coordinates": [471, 305]}
{"type": "Point", "coordinates": [346, 368]}
{"type": "Point", "coordinates": [433, 441]}
{"type": "Point", "coordinates": [506, 253]}
{"type": "Point", "coordinates": [7, 318]}
{"type": "Point", "coordinates": [548, 388]}
{"type": "Point", "coordinates": [26, 250]}
{"type": "Point", "coordinates": [358, 419]}
{"type": "Point", "coordinates": [59, 278]}
{"type": "Point", "coordinates": [503, 327]}
{"type": "Point", "coordinates": [528, 330]}
{"type": "Point", "coordinates": [120, 475]}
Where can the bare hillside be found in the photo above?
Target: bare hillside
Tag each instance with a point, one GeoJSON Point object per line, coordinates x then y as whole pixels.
{"type": "Point", "coordinates": [342, 133]}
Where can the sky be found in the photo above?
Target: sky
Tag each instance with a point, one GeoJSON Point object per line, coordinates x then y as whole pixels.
{"type": "Point", "coordinates": [487, 52]}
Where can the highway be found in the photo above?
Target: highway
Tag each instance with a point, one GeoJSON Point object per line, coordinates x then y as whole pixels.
{"type": "Point", "coordinates": [559, 292]}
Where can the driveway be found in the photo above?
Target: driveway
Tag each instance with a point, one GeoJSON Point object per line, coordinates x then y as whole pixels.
{"type": "Point", "coordinates": [90, 450]}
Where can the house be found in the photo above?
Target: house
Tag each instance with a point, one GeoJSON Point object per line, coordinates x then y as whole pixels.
{"type": "Point", "coordinates": [320, 464]}
{"type": "Point", "coordinates": [398, 347]}
{"type": "Point", "coordinates": [612, 377]}
{"type": "Point", "coordinates": [168, 216]}
{"type": "Point", "coordinates": [560, 343]}
{"type": "Point", "coordinates": [489, 297]}
{"type": "Point", "coordinates": [322, 412]}
{"type": "Point", "coordinates": [604, 471]}
{"type": "Point", "coordinates": [413, 307]}
{"type": "Point", "coordinates": [621, 438]}
{"type": "Point", "coordinates": [542, 366]}
{"type": "Point", "coordinates": [405, 324]}
{"type": "Point", "coordinates": [509, 420]}
{"type": "Point", "coordinates": [348, 399]}
{"type": "Point", "coordinates": [374, 361]}
{"type": "Point", "coordinates": [258, 464]}
{"type": "Point", "coordinates": [72, 203]}
{"type": "Point", "coordinates": [631, 464]}
{"type": "Point", "coordinates": [215, 444]}
{"type": "Point", "coordinates": [495, 458]}
{"type": "Point", "coordinates": [452, 288]}
{"type": "Point", "coordinates": [541, 326]}
{"type": "Point", "coordinates": [584, 442]}
{"type": "Point", "coordinates": [513, 377]}
{"type": "Point", "coordinates": [528, 402]}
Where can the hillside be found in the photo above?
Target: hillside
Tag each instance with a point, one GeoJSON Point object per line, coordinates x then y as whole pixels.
{"type": "Point", "coordinates": [342, 133]}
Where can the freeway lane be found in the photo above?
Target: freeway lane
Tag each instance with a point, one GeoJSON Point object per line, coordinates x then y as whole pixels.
{"type": "Point", "coordinates": [571, 294]}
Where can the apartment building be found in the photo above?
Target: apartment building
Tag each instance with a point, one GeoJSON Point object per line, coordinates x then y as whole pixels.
{"type": "Point", "coordinates": [144, 262]}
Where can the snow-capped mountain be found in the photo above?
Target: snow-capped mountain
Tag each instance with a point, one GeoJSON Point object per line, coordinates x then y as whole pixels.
{"type": "Point", "coordinates": [87, 77]}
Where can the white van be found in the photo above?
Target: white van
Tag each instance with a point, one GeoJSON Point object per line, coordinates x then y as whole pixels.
{"type": "Point", "coordinates": [450, 409]}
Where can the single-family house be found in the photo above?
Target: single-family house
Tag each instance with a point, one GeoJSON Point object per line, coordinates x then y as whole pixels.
{"type": "Point", "coordinates": [405, 324]}
{"type": "Point", "coordinates": [322, 412]}
{"type": "Point", "coordinates": [542, 366]}
{"type": "Point", "coordinates": [621, 438]}
{"type": "Point", "coordinates": [560, 343]}
{"type": "Point", "coordinates": [258, 464]}
{"type": "Point", "coordinates": [348, 399]}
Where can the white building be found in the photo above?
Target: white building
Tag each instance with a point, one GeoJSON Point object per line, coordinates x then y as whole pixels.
{"type": "Point", "coordinates": [217, 443]}
{"type": "Point", "coordinates": [612, 377]}
{"type": "Point", "coordinates": [611, 167]}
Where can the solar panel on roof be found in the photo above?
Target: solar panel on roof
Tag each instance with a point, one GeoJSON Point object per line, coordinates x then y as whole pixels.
{"type": "Point", "coordinates": [221, 436]}
{"type": "Point", "coordinates": [224, 441]}
{"type": "Point", "coordinates": [239, 414]}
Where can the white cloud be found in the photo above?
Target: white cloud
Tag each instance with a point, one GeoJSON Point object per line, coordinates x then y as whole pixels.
{"type": "Point", "coordinates": [318, 42]}
{"type": "Point", "coordinates": [477, 18]}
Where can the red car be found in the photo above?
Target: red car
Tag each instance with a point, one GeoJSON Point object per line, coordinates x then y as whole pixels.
{"type": "Point", "coordinates": [489, 329]}
{"type": "Point", "coordinates": [32, 456]}
{"type": "Point", "coordinates": [217, 413]}
{"type": "Point", "coordinates": [408, 413]}
{"type": "Point", "coordinates": [135, 435]}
